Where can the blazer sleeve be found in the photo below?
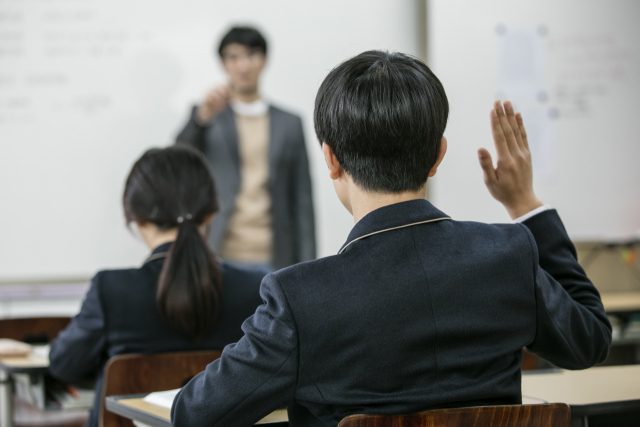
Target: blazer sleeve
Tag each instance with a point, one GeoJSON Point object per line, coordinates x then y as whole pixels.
{"type": "Point", "coordinates": [253, 377]}
{"type": "Point", "coordinates": [572, 329]}
{"type": "Point", "coordinates": [80, 348]}
{"type": "Point", "coordinates": [193, 133]}
{"type": "Point", "coordinates": [302, 201]}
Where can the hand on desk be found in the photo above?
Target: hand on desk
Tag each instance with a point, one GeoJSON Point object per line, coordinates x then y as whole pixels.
{"type": "Point", "coordinates": [511, 182]}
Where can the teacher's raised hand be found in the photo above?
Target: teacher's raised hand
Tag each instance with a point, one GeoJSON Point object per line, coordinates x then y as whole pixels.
{"type": "Point", "coordinates": [511, 182]}
{"type": "Point", "coordinates": [214, 102]}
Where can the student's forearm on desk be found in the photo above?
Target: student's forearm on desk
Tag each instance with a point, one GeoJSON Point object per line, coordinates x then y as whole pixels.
{"type": "Point", "coordinates": [77, 351]}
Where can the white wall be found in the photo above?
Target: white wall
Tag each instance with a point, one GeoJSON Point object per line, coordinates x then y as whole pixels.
{"type": "Point", "coordinates": [591, 74]}
{"type": "Point", "coordinates": [86, 87]}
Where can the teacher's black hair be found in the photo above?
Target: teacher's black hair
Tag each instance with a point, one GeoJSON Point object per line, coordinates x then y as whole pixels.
{"type": "Point", "coordinates": [246, 36]}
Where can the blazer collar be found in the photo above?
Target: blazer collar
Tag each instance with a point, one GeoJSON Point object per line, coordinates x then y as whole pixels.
{"type": "Point", "coordinates": [159, 253]}
{"type": "Point", "coordinates": [397, 215]}
{"type": "Point", "coordinates": [277, 138]}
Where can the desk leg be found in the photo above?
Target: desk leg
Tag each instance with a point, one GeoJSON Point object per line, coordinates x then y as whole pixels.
{"type": "Point", "coordinates": [6, 399]}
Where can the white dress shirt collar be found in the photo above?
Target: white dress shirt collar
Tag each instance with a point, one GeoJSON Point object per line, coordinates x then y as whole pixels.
{"type": "Point", "coordinates": [249, 109]}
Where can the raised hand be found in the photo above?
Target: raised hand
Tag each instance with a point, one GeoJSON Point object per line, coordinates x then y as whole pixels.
{"type": "Point", "coordinates": [511, 182]}
{"type": "Point", "coordinates": [214, 102]}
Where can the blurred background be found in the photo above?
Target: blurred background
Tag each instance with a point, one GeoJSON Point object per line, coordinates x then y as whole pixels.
{"type": "Point", "coordinates": [86, 86]}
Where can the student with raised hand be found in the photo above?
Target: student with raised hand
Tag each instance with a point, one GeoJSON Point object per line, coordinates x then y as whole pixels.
{"type": "Point", "coordinates": [181, 298]}
{"type": "Point", "coordinates": [417, 310]}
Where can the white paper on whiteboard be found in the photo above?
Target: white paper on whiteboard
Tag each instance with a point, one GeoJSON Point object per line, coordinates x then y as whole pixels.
{"type": "Point", "coordinates": [540, 124]}
{"type": "Point", "coordinates": [521, 63]}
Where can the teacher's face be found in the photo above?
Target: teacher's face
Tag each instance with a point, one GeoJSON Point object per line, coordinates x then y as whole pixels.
{"type": "Point", "coordinates": [243, 65]}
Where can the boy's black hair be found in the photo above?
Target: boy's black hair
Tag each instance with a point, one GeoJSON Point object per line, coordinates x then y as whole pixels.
{"type": "Point", "coordinates": [383, 115]}
{"type": "Point", "coordinates": [246, 36]}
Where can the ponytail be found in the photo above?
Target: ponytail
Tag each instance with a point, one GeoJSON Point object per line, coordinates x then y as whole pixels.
{"type": "Point", "coordinates": [162, 186]}
{"type": "Point", "coordinates": [189, 288]}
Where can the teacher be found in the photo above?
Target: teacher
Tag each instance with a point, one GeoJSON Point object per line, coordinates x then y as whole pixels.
{"type": "Point", "coordinates": [258, 158]}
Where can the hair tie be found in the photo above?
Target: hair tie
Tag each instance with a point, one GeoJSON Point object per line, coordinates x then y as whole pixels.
{"type": "Point", "coordinates": [187, 217]}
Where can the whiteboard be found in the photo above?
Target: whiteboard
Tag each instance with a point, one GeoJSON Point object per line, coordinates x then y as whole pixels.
{"type": "Point", "coordinates": [585, 111]}
{"type": "Point", "coordinates": [86, 86]}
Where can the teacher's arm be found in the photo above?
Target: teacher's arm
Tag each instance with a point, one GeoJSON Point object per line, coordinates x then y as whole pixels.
{"type": "Point", "coordinates": [193, 132]}
{"type": "Point", "coordinates": [201, 117]}
{"type": "Point", "coordinates": [302, 199]}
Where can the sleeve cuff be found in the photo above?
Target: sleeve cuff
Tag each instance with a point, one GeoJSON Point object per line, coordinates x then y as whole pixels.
{"type": "Point", "coordinates": [534, 212]}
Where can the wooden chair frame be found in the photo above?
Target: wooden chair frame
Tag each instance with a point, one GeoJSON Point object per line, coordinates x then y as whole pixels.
{"type": "Point", "coordinates": [33, 329]}
{"type": "Point", "coordinates": [140, 373]}
{"type": "Point", "coordinates": [547, 415]}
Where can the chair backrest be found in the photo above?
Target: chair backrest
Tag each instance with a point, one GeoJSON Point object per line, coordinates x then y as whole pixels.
{"type": "Point", "coordinates": [529, 361]}
{"type": "Point", "coordinates": [146, 373]}
{"type": "Point", "coordinates": [548, 415]}
{"type": "Point", "coordinates": [34, 330]}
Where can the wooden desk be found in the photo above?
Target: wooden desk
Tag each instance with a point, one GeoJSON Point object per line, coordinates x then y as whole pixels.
{"type": "Point", "coordinates": [31, 364]}
{"type": "Point", "coordinates": [595, 391]}
{"type": "Point", "coordinates": [135, 408]}
{"type": "Point", "coordinates": [615, 302]}
{"type": "Point", "coordinates": [25, 364]}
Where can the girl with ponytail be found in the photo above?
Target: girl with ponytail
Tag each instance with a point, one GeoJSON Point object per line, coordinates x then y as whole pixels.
{"type": "Point", "coordinates": [181, 298]}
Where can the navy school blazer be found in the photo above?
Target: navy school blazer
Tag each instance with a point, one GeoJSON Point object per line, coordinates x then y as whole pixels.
{"type": "Point", "coordinates": [119, 316]}
{"type": "Point", "coordinates": [416, 312]}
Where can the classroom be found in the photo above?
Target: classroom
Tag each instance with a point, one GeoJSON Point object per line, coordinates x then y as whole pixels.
{"type": "Point", "coordinates": [382, 213]}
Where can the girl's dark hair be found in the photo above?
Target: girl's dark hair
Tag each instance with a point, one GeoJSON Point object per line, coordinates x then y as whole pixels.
{"type": "Point", "coordinates": [172, 187]}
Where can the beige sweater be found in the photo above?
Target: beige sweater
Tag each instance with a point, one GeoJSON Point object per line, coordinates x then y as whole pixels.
{"type": "Point", "coordinates": [249, 237]}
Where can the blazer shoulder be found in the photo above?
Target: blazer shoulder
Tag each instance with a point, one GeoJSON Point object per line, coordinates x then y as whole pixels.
{"type": "Point", "coordinates": [512, 240]}
{"type": "Point", "coordinates": [308, 273]}
{"type": "Point", "coordinates": [497, 231]}
{"type": "Point", "coordinates": [241, 279]}
{"type": "Point", "coordinates": [116, 277]}
{"type": "Point", "coordinates": [114, 284]}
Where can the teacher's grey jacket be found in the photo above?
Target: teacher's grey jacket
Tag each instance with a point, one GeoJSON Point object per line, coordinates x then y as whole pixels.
{"type": "Point", "coordinates": [416, 312]}
{"type": "Point", "coordinates": [289, 181]}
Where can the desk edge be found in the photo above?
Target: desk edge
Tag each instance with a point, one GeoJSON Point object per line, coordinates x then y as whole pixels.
{"type": "Point", "coordinates": [24, 369]}
{"type": "Point", "coordinates": [605, 407]}
{"type": "Point", "coordinates": [113, 405]}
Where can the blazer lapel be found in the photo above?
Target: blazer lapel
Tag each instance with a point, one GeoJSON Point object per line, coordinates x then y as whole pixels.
{"type": "Point", "coordinates": [227, 125]}
{"type": "Point", "coordinates": [277, 141]}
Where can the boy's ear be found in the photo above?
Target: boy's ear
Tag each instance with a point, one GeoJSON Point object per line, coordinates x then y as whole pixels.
{"type": "Point", "coordinates": [332, 162]}
{"type": "Point", "coordinates": [441, 153]}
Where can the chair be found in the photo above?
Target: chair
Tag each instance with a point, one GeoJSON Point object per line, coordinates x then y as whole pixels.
{"type": "Point", "coordinates": [529, 361]}
{"type": "Point", "coordinates": [548, 415]}
{"type": "Point", "coordinates": [137, 373]}
{"type": "Point", "coordinates": [33, 330]}
{"type": "Point", "coordinates": [39, 330]}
